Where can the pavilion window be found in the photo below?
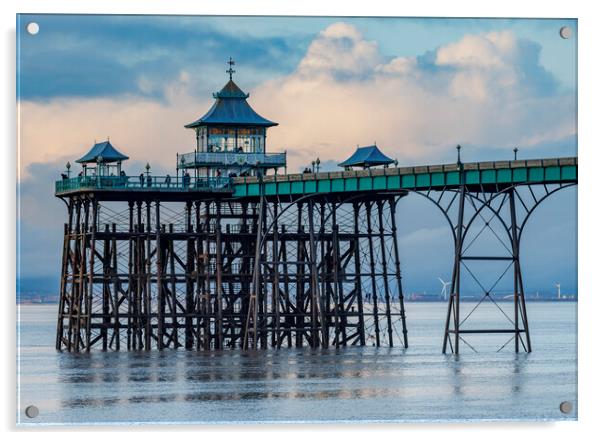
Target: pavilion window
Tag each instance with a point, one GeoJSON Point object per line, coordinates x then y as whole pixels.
{"type": "Point", "coordinates": [255, 140]}
{"type": "Point", "coordinates": [201, 133]}
{"type": "Point", "coordinates": [215, 138]}
{"type": "Point", "coordinates": [230, 143]}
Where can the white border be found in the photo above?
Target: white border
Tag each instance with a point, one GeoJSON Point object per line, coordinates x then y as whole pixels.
{"type": "Point", "coordinates": [590, 76]}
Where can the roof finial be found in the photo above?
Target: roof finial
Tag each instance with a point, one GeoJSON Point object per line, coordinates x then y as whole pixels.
{"type": "Point", "coordinates": [230, 71]}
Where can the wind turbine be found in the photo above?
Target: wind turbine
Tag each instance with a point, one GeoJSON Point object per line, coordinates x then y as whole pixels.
{"type": "Point", "coordinates": [444, 288]}
{"type": "Point", "coordinates": [557, 285]}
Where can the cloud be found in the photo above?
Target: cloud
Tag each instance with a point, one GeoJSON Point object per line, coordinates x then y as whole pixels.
{"type": "Point", "coordinates": [340, 51]}
{"type": "Point", "coordinates": [398, 66]}
{"type": "Point", "coordinates": [143, 129]}
{"type": "Point", "coordinates": [495, 62]}
{"type": "Point", "coordinates": [40, 219]}
{"type": "Point", "coordinates": [109, 56]}
{"type": "Point", "coordinates": [489, 50]}
{"type": "Point", "coordinates": [486, 90]}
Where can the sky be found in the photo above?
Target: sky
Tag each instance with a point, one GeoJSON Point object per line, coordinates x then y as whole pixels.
{"type": "Point", "coordinates": [415, 86]}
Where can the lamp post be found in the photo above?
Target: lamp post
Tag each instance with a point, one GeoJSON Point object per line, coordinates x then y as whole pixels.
{"type": "Point", "coordinates": [318, 165]}
{"type": "Point", "coordinates": [313, 166]}
{"type": "Point", "coordinates": [99, 160]}
{"type": "Point", "coordinates": [459, 147]}
{"type": "Point", "coordinates": [515, 152]}
{"type": "Point", "coordinates": [68, 166]}
{"type": "Point", "coordinates": [149, 182]}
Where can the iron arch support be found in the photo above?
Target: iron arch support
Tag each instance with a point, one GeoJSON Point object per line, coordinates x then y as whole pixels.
{"type": "Point", "coordinates": [436, 203]}
{"type": "Point", "coordinates": [539, 202]}
{"type": "Point", "coordinates": [484, 204]}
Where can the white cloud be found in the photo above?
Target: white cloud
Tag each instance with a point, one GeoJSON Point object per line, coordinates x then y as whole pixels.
{"type": "Point", "coordinates": [344, 92]}
{"type": "Point", "coordinates": [492, 50]}
{"type": "Point", "coordinates": [486, 63]}
{"type": "Point", "coordinates": [475, 91]}
{"type": "Point", "coordinates": [143, 129]}
{"type": "Point", "coordinates": [339, 49]}
{"type": "Point", "coordinates": [399, 66]}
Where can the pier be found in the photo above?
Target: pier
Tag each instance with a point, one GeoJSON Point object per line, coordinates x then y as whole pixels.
{"type": "Point", "coordinates": [232, 253]}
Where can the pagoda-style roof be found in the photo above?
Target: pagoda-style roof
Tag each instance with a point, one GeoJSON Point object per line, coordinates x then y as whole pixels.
{"type": "Point", "coordinates": [231, 108]}
{"type": "Point", "coordinates": [231, 90]}
{"type": "Point", "coordinates": [104, 150]}
{"type": "Point", "coordinates": [367, 157]}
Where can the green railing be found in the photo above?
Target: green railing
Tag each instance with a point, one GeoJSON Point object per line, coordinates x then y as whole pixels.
{"type": "Point", "coordinates": [231, 159]}
{"type": "Point", "coordinates": [435, 177]}
{"type": "Point", "coordinates": [150, 183]}
{"type": "Point", "coordinates": [411, 178]}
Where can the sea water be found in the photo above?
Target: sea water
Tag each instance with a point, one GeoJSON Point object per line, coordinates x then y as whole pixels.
{"type": "Point", "coordinates": [350, 384]}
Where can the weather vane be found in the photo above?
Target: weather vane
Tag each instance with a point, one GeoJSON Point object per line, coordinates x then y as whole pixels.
{"type": "Point", "coordinates": [231, 70]}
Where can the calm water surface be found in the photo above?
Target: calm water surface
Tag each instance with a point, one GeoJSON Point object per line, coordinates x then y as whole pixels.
{"type": "Point", "coordinates": [294, 385]}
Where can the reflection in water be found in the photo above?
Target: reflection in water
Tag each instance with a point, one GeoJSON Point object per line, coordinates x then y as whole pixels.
{"type": "Point", "coordinates": [242, 375]}
{"type": "Point", "coordinates": [455, 368]}
{"type": "Point", "coordinates": [303, 384]}
{"type": "Point", "coordinates": [520, 360]}
{"type": "Point", "coordinates": [289, 374]}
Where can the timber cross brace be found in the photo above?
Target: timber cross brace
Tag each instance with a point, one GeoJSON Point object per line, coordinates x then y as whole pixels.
{"type": "Point", "coordinates": [226, 274]}
{"type": "Point", "coordinates": [291, 261]}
